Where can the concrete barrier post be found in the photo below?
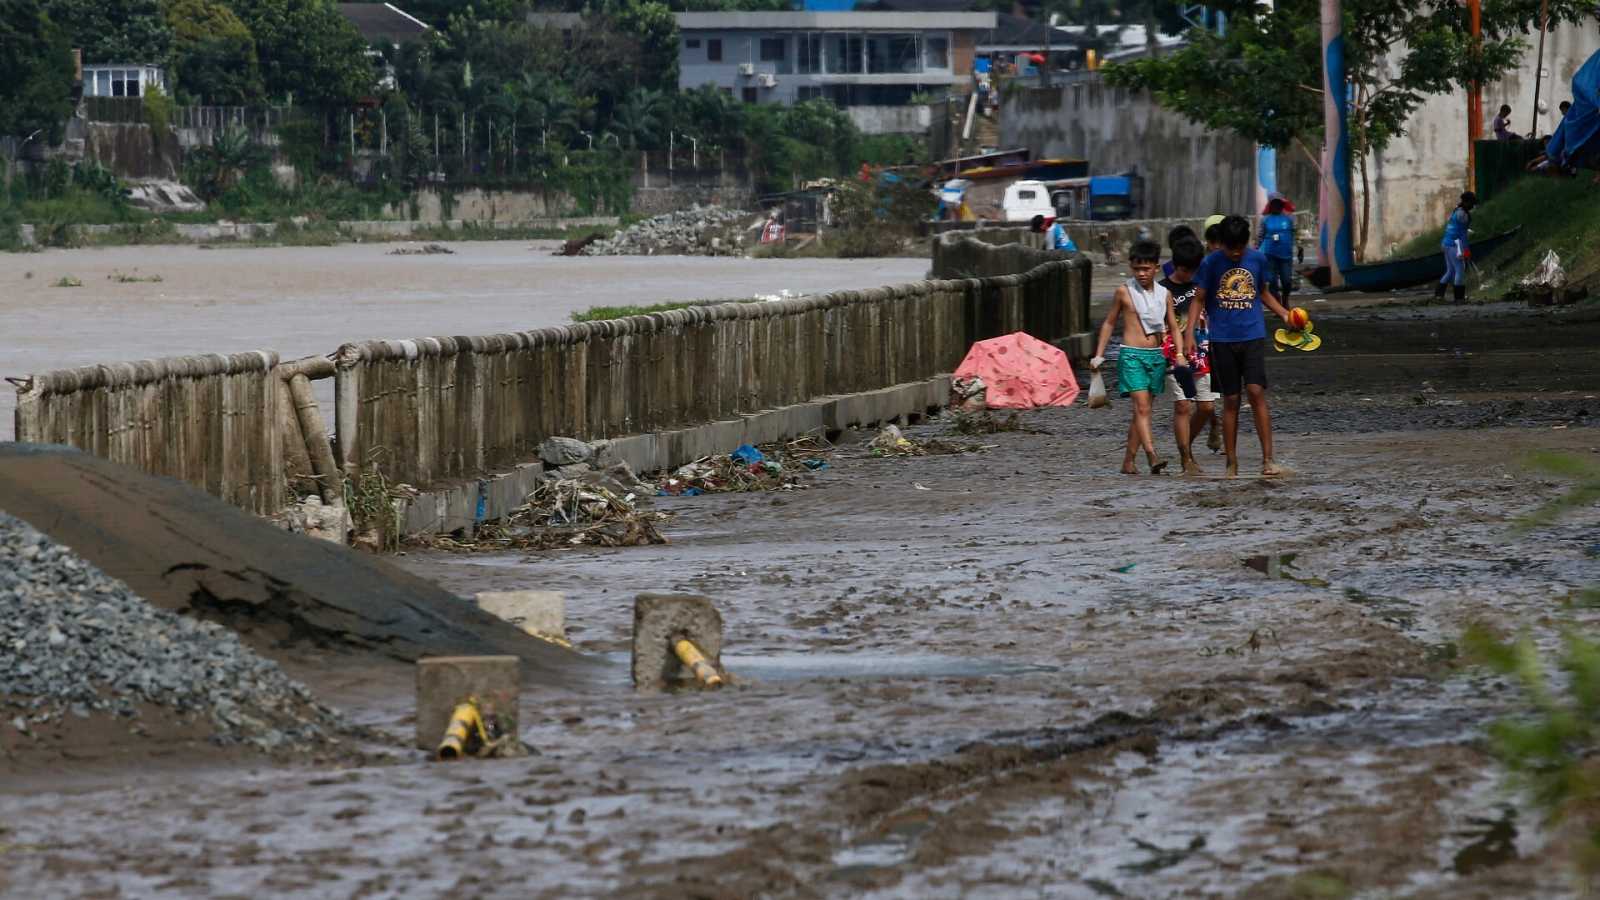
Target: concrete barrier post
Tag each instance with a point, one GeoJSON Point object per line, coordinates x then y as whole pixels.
{"type": "Point", "coordinates": [660, 623]}
{"type": "Point", "coordinates": [445, 682]}
{"type": "Point", "coordinates": [347, 408]}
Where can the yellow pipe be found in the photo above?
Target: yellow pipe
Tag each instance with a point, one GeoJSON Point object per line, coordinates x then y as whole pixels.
{"type": "Point", "coordinates": [690, 655]}
{"type": "Point", "coordinates": [465, 725]}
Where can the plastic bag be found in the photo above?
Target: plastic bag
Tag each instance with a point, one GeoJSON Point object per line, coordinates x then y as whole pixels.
{"type": "Point", "coordinates": [1097, 392]}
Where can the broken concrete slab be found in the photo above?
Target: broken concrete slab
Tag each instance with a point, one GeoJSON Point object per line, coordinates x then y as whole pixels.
{"type": "Point", "coordinates": [536, 612]}
{"type": "Point", "coordinates": [285, 594]}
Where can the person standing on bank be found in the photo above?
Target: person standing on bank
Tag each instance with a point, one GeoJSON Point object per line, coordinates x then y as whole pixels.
{"type": "Point", "coordinates": [1276, 240]}
{"type": "Point", "coordinates": [1457, 252]}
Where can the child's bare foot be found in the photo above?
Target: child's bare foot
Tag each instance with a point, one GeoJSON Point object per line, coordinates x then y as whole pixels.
{"type": "Point", "coordinates": [1128, 467]}
{"type": "Point", "coordinates": [1158, 467]}
{"type": "Point", "coordinates": [1233, 468]}
{"type": "Point", "coordinates": [1190, 467]}
{"type": "Point", "coordinates": [1271, 469]}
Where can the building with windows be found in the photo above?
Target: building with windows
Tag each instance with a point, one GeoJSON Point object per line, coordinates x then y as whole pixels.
{"type": "Point", "coordinates": [122, 80]}
{"type": "Point", "coordinates": [852, 58]}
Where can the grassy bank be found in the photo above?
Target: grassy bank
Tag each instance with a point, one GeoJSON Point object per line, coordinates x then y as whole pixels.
{"type": "Point", "coordinates": [1560, 214]}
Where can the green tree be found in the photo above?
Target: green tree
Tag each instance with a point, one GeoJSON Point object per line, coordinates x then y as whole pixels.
{"type": "Point", "coordinates": [307, 50]}
{"type": "Point", "coordinates": [35, 71]}
{"type": "Point", "coordinates": [115, 31]}
{"type": "Point", "coordinates": [214, 57]}
{"type": "Point", "coordinates": [1263, 79]}
{"type": "Point", "coordinates": [641, 119]}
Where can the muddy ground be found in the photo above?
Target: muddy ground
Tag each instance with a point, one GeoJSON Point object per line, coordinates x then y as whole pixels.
{"type": "Point", "coordinates": [998, 674]}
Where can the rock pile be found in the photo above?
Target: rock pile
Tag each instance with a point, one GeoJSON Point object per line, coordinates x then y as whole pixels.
{"type": "Point", "coordinates": [697, 231]}
{"type": "Point", "coordinates": [76, 642]}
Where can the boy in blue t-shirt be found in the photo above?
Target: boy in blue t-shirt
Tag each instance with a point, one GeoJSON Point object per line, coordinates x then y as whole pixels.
{"type": "Point", "coordinates": [1233, 289]}
{"type": "Point", "coordinates": [1276, 240]}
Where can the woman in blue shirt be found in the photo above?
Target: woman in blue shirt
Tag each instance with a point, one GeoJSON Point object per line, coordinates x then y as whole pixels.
{"type": "Point", "coordinates": [1276, 241]}
{"type": "Point", "coordinates": [1457, 253]}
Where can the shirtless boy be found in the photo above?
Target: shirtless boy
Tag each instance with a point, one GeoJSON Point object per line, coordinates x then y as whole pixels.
{"type": "Point", "coordinates": [1145, 309]}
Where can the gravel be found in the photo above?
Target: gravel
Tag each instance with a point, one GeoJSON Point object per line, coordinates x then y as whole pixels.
{"type": "Point", "coordinates": [697, 231]}
{"type": "Point", "coordinates": [76, 642]}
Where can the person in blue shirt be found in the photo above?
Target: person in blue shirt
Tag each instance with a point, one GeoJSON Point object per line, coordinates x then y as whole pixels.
{"type": "Point", "coordinates": [1457, 252]}
{"type": "Point", "coordinates": [1055, 234]}
{"type": "Point", "coordinates": [1276, 240]}
{"type": "Point", "coordinates": [1232, 289]}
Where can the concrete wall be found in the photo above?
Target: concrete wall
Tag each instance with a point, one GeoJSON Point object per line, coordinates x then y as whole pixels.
{"type": "Point", "coordinates": [1189, 170]}
{"type": "Point", "coordinates": [448, 408]}
{"type": "Point", "coordinates": [211, 421]}
{"type": "Point", "coordinates": [1417, 180]}
{"type": "Point", "coordinates": [430, 205]}
{"type": "Point", "coordinates": [891, 119]}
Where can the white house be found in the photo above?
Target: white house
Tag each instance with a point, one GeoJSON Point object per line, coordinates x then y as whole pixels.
{"type": "Point", "coordinates": [122, 79]}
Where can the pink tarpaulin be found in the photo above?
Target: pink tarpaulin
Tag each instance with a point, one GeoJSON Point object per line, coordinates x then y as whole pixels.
{"type": "Point", "coordinates": [1019, 371]}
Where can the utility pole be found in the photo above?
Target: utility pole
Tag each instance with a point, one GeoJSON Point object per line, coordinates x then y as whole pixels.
{"type": "Point", "coordinates": [1334, 231]}
{"type": "Point", "coordinates": [1475, 95]}
{"type": "Point", "coordinates": [1266, 160]}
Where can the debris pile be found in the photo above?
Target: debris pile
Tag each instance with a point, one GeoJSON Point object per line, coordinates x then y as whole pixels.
{"type": "Point", "coordinates": [424, 250]}
{"type": "Point", "coordinates": [78, 643]}
{"type": "Point", "coordinates": [984, 422]}
{"type": "Point", "coordinates": [697, 231]}
{"type": "Point", "coordinates": [745, 469]}
{"type": "Point", "coordinates": [571, 512]}
{"type": "Point", "coordinates": [1546, 285]}
{"type": "Point", "coordinates": [891, 442]}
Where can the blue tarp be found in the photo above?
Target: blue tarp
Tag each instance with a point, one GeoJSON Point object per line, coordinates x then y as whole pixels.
{"type": "Point", "coordinates": [1110, 186]}
{"type": "Point", "coordinates": [1577, 138]}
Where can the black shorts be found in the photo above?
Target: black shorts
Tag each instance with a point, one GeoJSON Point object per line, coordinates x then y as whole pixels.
{"type": "Point", "coordinates": [1237, 363]}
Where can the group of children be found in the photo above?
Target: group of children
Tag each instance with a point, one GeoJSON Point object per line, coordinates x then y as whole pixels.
{"type": "Point", "coordinates": [1199, 331]}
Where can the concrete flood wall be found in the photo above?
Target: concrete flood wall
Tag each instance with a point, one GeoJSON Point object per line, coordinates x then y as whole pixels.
{"type": "Point", "coordinates": [461, 417]}
{"type": "Point", "coordinates": [1190, 171]}
{"type": "Point", "coordinates": [441, 408]}
{"type": "Point", "coordinates": [208, 420]}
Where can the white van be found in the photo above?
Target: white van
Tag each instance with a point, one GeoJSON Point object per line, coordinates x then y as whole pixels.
{"type": "Point", "coordinates": [1026, 199]}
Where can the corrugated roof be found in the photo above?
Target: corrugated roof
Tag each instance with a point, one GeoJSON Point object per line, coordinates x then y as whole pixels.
{"type": "Point", "coordinates": [383, 21]}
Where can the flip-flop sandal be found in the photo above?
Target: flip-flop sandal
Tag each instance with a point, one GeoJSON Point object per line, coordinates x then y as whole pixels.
{"type": "Point", "coordinates": [1283, 339]}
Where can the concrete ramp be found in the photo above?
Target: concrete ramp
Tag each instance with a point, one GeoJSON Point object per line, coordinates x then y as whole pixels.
{"type": "Point", "coordinates": [185, 551]}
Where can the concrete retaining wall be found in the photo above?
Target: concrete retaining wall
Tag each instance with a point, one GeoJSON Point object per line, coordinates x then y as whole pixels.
{"type": "Point", "coordinates": [206, 232]}
{"type": "Point", "coordinates": [443, 408]}
{"type": "Point", "coordinates": [211, 421]}
{"type": "Point", "coordinates": [1189, 170]}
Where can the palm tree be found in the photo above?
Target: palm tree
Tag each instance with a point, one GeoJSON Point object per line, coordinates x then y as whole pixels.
{"type": "Point", "coordinates": [640, 117]}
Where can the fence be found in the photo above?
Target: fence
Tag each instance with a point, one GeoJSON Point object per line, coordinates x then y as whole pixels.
{"type": "Point", "coordinates": [208, 420]}
{"type": "Point", "coordinates": [131, 111]}
{"type": "Point", "coordinates": [247, 429]}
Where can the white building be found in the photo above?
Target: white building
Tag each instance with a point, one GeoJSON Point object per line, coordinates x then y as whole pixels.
{"type": "Point", "coordinates": [122, 80]}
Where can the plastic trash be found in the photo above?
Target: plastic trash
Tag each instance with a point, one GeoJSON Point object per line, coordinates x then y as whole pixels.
{"type": "Point", "coordinates": [748, 455]}
{"type": "Point", "coordinates": [1097, 392]}
{"type": "Point", "coordinates": [816, 465]}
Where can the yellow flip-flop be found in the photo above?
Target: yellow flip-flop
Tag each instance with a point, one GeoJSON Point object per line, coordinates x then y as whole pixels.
{"type": "Point", "coordinates": [1283, 339]}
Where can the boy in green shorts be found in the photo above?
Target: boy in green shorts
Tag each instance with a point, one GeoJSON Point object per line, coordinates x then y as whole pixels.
{"type": "Point", "coordinates": [1145, 308]}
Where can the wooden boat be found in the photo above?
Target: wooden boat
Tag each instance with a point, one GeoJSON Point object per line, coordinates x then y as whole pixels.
{"type": "Point", "coordinates": [1402, 273]}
